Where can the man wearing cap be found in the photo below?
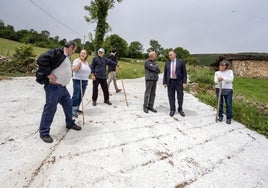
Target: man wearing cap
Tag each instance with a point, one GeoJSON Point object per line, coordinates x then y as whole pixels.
{"type": "Point", "coordinates": [98, 69]}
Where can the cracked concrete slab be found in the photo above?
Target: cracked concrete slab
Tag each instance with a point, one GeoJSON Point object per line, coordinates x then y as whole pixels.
{"type": "Point", "coordinates": [121, 146]}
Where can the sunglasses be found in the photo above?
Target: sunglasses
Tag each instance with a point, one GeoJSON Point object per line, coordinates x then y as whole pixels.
{"type": "Point", "coordinates": [222, 64]}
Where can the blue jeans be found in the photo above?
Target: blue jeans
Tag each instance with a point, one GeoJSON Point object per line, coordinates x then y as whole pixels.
{"type": "Point", "coordinates": [76, 98]}
{"type": "Point", "coordinates": [227, 95]}
{"type": "Point", "coordinates": [55, 94]}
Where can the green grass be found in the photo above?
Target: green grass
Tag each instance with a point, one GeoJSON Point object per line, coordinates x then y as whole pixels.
{"type": "Point", "coordinates": [249, 115]}
{"type": "Point", "coordinates": [131, 70]}
{"type": "Point", "coordinates": [253, 89]}
{"type": "Point", "coordinates": [7, 48]}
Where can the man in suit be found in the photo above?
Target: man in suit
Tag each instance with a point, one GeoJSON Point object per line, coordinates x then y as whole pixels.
{"type": "Point", "coordinates": [175, 79]}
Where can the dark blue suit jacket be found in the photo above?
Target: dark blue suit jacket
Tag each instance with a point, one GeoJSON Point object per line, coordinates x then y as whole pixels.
{"type": "Point", "coordinates": [180, 72]}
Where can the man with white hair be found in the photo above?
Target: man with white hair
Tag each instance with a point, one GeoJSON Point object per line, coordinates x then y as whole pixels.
{"type": "Point", "coordinates": [151, 76]}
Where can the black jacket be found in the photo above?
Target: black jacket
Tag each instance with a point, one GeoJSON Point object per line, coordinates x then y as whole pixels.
{"type": "Point", "coordinates": [180, 72]}
{"type": "Point", "coordinates": [112, 68]}
{"type": "Point", "coordinates": [151, 70]}
{"type": "Point", "coordinates": [98, 66]}
{"type": "Point", "coordinates": [47, 62]}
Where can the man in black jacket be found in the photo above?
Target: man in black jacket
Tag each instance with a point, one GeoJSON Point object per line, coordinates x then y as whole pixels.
{"type": "Point", "coordinates": [112, 71]}
{"type": "Point", "coordinates": [55, 73]}
{"type": "Point", "coordinates": [175, 79]}
{"type": "Point", "coordinates": [98, 72]}
{"type": "Point", "coordinates": [151, 76]}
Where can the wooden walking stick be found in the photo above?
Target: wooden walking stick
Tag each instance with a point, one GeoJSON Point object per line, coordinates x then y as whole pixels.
{"type": "Point", "coordinates": [120, 70]}
{"type": "Point", "coordinates": [82, 102]}
{"type": "Point", "coordinates": [219, 101]}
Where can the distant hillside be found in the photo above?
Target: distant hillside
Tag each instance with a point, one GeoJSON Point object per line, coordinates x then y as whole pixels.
{"type": "Point", "coordinates": [7, 47]}
{"type": "Point", "coordinates": [207, 59]}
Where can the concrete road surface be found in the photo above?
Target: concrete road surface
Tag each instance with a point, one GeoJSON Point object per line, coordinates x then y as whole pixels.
{"type": "Point", "coordinates": [121, 146]}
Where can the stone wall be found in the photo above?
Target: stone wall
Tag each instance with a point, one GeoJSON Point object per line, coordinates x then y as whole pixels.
{"type": "Point", "coordinates": [250, 68]}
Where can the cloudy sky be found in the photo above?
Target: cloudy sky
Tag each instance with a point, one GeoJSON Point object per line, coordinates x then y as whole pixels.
{"type": "Point", "coordinates": [201, 26]}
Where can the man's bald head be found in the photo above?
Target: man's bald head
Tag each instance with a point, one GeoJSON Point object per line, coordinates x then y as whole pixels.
{"type": "Point", "coordinates": [152, 55]}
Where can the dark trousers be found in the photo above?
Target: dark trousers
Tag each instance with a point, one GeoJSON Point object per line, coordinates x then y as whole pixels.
{"type": "Point", "coordinates": [149, 95]}
{"type": "Point", "coordinates": [55, 94]}
{"type": "Point", "coordinates": [104, 88]}
{"type": "Point", "coordinates": [227, 95]}
{"type": "Point", "coordinates": [76, 98]}
{"type": "Point", "coordinates": [172, 88]}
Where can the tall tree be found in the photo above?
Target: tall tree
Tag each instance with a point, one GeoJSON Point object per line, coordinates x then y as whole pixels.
{"type": "Point", "coordinates": [115, 41]}
{"type": "Point", "coordinates": [155, 46]}
{"type": "Point", "coordinates": [98, 12]}
{"type": "Point", "coordinates": [135, 49]}
{"type": "Point", "coordinates": [182, 53]}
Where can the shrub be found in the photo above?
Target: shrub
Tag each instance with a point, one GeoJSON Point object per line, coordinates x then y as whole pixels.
{"type": "Point", "coordinates": [23, 61]}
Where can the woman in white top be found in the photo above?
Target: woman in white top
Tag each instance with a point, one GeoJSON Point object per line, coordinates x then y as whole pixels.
{"type": "Point", "coordinates": [226, 77]}
{"type": "Point", "coordinates": [81, 72]}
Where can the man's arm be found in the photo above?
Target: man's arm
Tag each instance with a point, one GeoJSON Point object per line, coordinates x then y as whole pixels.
{"type": "Point", "coordinates": [184, 75]}
{"type": "Point", "coordinates": [44, 62]}
{"type": "Point", "coordinates": [165, 76]}
{"type": "Point", "coordinates": [152, 67]}
{"type": "Point", "coordinates": [184, 72]}
{"type": "Point", "coordinates": [110, 62]}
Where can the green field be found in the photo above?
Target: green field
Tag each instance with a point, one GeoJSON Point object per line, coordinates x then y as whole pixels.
{"type": "Point", "coordinates": [7, 48]}
{"type": "Point", "coordinates": [253, 89]}
{"type": "Point", "coordinates": [206, 59]}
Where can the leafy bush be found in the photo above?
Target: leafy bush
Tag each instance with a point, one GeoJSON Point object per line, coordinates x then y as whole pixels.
{"type": "Point", "coordinates": [201, 76]}
{"type": "Point", "coordinates": [23, 61]}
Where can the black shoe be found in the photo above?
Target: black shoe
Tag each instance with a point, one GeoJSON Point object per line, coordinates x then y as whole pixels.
{"type": "Point", "coordinates": [152, 109]}
{"type": "Point", "coordinates": [94, 103]}
{"type": "Point", "coordinates": [108, 102]}
{"type": "Point", "coordinates": [119, 90]}
{"type": "Point", "coordinates": [46, 138]}
{"type": "Point", "coordinates": [171, 113]}
{"type": "Point", "coordinates": [74, 127]}
{"type": "Point", "coordinates": [228, 121]}
{"type": "Point", "coordinates": [182, 113]}
{"type": "Point", "coordinates": [145, 109]}
{"type": "Point", "coordinates": [220, 119]}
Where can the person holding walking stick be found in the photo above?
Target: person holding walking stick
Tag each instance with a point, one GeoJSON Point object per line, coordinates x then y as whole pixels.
{"type": "Point", "coordinates": [224, 90]}
{"type": "Point", "coordinates": [81, 72]}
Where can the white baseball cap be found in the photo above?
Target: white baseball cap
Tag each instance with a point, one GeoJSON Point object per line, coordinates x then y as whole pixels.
{"type": "Point", "coordinates": [101, 50]}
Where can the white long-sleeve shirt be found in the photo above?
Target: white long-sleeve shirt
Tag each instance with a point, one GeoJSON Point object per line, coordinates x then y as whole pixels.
{"type": "Point", "coordinates": [228, 77]}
